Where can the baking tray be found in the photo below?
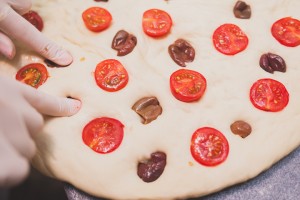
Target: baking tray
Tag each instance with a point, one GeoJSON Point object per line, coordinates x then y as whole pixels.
{"type": "Point", "coordinates": [280, 182]}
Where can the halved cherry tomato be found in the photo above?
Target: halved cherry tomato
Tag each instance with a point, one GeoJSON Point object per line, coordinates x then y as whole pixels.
{"type": "Point", "coordinates": [287, 31]}
{"type": "Point", "coordinates": [269, 95]}
{"type": "Point", "coordinates": [96, 18]}
{"type": "Point", "coordinates": [34, 74]}
{"type": "Point", "coordinates": [103, 135]}
{"type": "Point", "coordinates": [187, 85]}
{"type": "Point", "coordinates": [209, 146]}
{"type": "Point", "coordinates": [35, 19]}
{"type": "Point", "coordinates": [156, 23]}
{"type": "Point", "coordinates": [110, 75]}
{"type": "Point", "coordinates": [229, 39]}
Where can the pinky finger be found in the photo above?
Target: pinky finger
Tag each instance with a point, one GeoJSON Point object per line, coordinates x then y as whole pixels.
{"type": "Point", "coordinates": [7, 48]}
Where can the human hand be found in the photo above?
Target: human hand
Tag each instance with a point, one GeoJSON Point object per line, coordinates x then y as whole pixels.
{"type": "Point", "coordinates": [13, 25]}
{"type": "Point", "coordinates": [20, 119]}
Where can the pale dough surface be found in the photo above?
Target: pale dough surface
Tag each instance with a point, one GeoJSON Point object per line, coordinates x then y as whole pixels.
{"type": "Point", "coordinates": [61, 151]}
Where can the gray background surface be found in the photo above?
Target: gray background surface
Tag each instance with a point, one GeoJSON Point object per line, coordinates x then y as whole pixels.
{"type": "Point", "coordinates": [280, 182]}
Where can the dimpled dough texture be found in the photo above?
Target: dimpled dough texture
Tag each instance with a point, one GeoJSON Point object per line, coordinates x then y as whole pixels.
{"type": "Point", "coordinates": [61, 151]}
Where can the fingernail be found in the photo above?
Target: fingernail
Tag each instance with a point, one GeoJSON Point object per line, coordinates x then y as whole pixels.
{"type": "Point", "coordinates": [75, 106]}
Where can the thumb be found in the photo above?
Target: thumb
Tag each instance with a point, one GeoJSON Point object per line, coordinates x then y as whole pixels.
{"type": "Point", "coordinates": [48, 104]}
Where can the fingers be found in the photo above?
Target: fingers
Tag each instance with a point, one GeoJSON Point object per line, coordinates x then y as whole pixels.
{"type": "Point", "coordinates": [7, 48]}
{"type": "Point", "coordinates": [33, 119]}
{"type": "Point", "coordinates": [14, 106]}
{"type": "Point", "coordinates": [52, 51]}
{"type": "Point", "coordinates": [13, 168]}
{"type": "Point", "coordinates": [14, 128]}
{"type": "Point", "coordinates": [50, 105]}
{"type": "Point", "coordinates": [53, 105]}
{"type": "Point", "coordinates": [17, 27]}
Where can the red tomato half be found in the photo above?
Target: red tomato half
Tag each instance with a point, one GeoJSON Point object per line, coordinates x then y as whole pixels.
{"type": "Point", "coordinates": [187, 85]}
{"type": "Point", "coordinates": [229, 39]}
{"type": "Point", "coordinates": [34, 74]}
{"type": "Point", "coordinates": [269, 95]}
{"type": "Point", "coordinates": [110, 75]}
{"type": "Point", "coordinates": [287, 31]}
{"type": "Point", "coordinates": [156, 22]}
{"type": "Point", "coordinates": [209, 146]}
{"type": "Point", "coordinates": [103, 135]}
{"type": "Point", "coordinates": [35, 19]}
{"type": "Point", "coordinates": [96, 18]}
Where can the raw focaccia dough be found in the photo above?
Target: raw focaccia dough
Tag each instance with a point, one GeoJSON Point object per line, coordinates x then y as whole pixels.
{"type": "Point", "coordinates": [61, 151]}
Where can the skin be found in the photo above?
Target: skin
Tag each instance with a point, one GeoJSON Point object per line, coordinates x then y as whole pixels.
{"type": "Point", "coordinates": [13, 25]}
{"type": "Point", "coordinates": [21, 117]}
{"type": "Point", "coordinates": [22, 107]}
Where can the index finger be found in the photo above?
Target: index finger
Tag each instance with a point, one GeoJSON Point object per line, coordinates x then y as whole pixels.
{"type": "Point", "coordinates": [48, 104]}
